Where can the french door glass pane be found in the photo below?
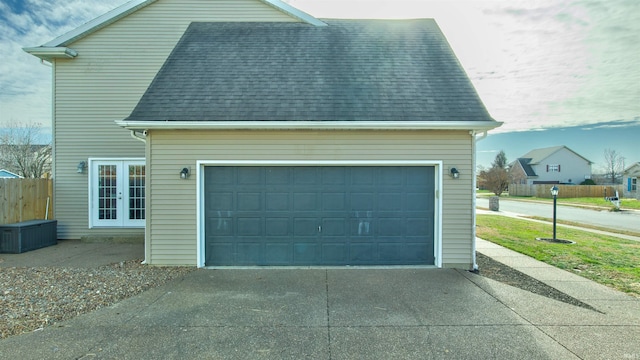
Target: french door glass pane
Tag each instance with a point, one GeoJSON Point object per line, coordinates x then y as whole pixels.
{"type": "Point", "coordinates": [136, 192]}
{"type": "Point", "coordinates": [107, 192]}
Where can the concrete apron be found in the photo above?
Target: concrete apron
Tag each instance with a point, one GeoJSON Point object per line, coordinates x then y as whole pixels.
{"type": "Point", "coordinates": [335, 314]}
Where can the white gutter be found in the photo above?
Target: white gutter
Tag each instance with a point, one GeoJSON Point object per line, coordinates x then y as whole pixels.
{"type": "Point", "coordinates": [474, 201]}
{"type": "Point", "coordinates": [309, 125]}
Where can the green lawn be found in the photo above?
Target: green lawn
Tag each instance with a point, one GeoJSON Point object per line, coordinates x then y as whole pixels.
{"type": "Point", "coordinates": [607, 260]}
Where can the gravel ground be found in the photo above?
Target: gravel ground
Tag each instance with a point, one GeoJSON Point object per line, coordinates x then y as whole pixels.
{"type": "Point", "coordinates": [34, 297]}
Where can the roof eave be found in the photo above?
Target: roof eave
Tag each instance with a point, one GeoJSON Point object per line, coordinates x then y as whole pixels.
{"type": "Point", "coordinates": [49, 53]}
{"type": "Point", "coordinates": [309, 125]}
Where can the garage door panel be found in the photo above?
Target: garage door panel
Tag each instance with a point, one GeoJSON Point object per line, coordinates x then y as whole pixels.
{"type": "Point", "coordinates": [248, 252]}
{"type": "Point", "coordinates": [362, 201]}
{"type": "Point", "coordinates": [277, 226]}
{"type": "Point", "coordinates": [222, 176]}
{"type": "Point", "coordinates": [305, 253]}
{"type": "Point", "coordinates": [333, 175]}
{"type": "Point", "coordinates": [319, 215]}
{"type": "Point", "coordinates": [305, 226]}
{"type": "Point", "coordinates": [334, 253]}
{"type": "Point", "coordinates": [247, 226]}
{"type": "Point", "coordinates": [389, 226]}
{"type": "Point", "coordinates": [417, 227]}
{"type": "Point", "coordinates": [220, 201]}
{"type": "Point", "coordinates": [305, 201]}
{"type": "Point", "coordinates": [249, 175]}
{"type": "Point", "coordinates": [334, 202]}
{"type": "Point", "coordinates": [305, 176]}
{"type": "Point", "coordinates": [278, 253]}
{"type": "Point", "coordinates": [278, 175]}
{"type": "Point", "coordinates": [249, 201]}
{"type": "Point", "coordinates": [277, 201]}
{"type": "Point", "coordinates": [363, 176]}
{"type": "Point", "coordinates": [365, 252]}
{"type": "Point", "coordinates": [419, 201]}
{"type": "Point", "coordinates": [360, 227]}
{"type": "Point", "coordinates": [334, 227]}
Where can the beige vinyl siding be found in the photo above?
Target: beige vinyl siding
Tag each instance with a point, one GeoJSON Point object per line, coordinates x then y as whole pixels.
{"type": "Point", "coordinates": [172, 210]}
{"type": "Point", "coordinates": [114, 67]}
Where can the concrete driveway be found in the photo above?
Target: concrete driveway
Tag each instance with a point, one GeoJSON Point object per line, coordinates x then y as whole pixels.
{"type": "Point", "coordinates": [329, 314]}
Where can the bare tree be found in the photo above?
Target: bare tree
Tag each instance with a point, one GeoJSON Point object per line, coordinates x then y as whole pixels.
{"type": "Point", "coordinates": [21, 153]}
{"type": "Point", "coordinates": [496, 179]}
{"type": "Point", "coordinates": [614, 164]}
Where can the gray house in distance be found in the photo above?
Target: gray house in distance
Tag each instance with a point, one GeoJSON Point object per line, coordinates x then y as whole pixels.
{"type": "Point", "coordinates": [552, 165]}
{"type": "Point", "coordinates": [249, 133]}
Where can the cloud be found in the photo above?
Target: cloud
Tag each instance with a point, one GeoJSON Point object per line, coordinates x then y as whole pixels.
{"type": "Point", "coordinates": [25, 95]}
{"type": "Point", "coordinates": [535, 64]}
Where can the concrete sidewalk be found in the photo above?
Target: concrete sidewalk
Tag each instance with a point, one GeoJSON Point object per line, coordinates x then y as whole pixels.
{"type": "Point", "coordinates": [349, 314]}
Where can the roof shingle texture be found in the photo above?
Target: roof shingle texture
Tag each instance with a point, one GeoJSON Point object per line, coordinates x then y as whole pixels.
{"type": "Point", "coordinates": [351, 70]}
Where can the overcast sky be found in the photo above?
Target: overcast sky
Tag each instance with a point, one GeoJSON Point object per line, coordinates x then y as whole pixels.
{"type": "Point", "coordinates": [535, 63]}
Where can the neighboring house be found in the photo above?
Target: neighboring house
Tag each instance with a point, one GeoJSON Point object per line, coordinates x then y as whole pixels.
{"type": "Point", "coordinates": [630, 181]}
{"type": "Point", "coordinates": [260, 135]}
{"type": "Point", "coordinates": [6, 174]}
{"type": "Point", "coordinates": [552, 165]}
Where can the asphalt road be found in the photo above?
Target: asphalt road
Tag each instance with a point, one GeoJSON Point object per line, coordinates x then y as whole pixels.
{"type": "Point", "coordinates": [625, 220]}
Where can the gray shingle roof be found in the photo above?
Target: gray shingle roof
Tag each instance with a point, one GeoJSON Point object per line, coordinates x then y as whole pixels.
{"type": "Point", "coordinates": [526, 167]}
{"type": "Point", "coordinates": [351, 70]}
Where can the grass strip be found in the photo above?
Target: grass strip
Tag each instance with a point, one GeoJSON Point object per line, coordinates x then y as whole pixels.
{"type": "Point", "coordinates": [585, 226]}
{"type": "Point", "coordinates": [607, 260]}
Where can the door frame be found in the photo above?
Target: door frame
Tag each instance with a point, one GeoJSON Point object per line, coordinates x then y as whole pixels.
{"type": "Point", "coordinates": [200, 181]}
{"type": "Point", "coordinates": [124, 181]}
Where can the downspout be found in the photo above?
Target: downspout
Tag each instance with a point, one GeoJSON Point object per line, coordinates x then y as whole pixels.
{"type": "Point", "coordinates": [144, 140]}
{"type": "Point", "coordinates": [474, 183]}
{"type": "Point", "coordinates": [135, 136]}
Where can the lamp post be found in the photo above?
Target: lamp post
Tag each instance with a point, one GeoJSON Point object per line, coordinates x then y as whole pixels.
{"type": "Point", "coordinates": [554, 193]}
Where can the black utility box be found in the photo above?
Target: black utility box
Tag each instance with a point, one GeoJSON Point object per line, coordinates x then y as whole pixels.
{"type": "Point", "coordinates": [28, 235]}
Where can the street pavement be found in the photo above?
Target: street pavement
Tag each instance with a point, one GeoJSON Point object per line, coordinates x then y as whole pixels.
{"type": "Point", "coordinates": [623, 220]}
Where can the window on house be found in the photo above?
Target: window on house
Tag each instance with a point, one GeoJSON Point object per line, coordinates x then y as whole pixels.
{"type": "Point", "coordinates": [553, 168]}
{"type": "Point", "coordinates": [116, 193]}
{"type": "Point", "coordinates": [634, 184]}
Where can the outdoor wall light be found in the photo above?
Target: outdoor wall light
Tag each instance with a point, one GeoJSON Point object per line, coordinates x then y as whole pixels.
{"type": "Point", "coordinates": [184, 173]}
{"type": "Point", "coordinates": [454, 173]}
{"type": "Point", "coordinates": [81, 166]}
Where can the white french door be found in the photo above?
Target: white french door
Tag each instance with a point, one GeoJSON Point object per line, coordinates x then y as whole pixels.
{"type": "Point", "coordinates": [117, 193]}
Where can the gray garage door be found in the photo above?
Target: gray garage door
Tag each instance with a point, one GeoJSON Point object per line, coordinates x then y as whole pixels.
{"type": "Point", "coordinates": [319, 215]}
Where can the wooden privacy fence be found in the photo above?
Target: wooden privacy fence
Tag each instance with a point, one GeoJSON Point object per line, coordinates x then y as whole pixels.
{"type": "Point", "coordinates": [565, 191]}
{"type": "Point", "coordinates": [25, 199]}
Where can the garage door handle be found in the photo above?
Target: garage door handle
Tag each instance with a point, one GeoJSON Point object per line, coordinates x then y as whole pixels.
{"type": "Point", "coordinates": [319, 228]}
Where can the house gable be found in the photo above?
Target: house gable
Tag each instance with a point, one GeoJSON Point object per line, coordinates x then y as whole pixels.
{"type": "Point", "coordinates": [58, 47]}
{"type": "Point", "coordinates": [633, 170]}
{"type": "Point", "coordinates": [557, 164]}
